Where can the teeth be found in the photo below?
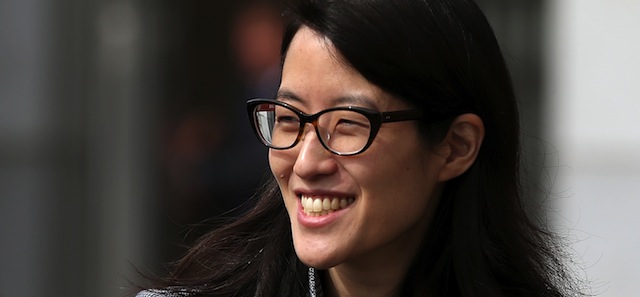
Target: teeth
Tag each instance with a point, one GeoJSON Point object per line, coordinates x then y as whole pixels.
{"type": "Point", "coordinates": [323, 206]}
{"type": "Point", "coordinates": [308, 203]}
{"type": "Point", "coordinates": [335, 204]}
{"type": "Point", "coordinates": [326, 204]}
{"type": "Point", "coordinates": [317, 205]}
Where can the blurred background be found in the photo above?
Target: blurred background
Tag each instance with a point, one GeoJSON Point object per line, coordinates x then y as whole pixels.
{"type": "Point", "coordinates": [122, 128]}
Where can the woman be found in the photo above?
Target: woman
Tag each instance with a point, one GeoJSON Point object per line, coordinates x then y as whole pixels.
{"type": "Point", "coordinates": [394, 151]}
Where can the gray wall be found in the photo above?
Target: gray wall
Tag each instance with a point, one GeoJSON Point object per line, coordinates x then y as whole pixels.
{"type": "Point", "coordinates": [593, 84]}
{"type": "Point", "coordinates": [76, 105]}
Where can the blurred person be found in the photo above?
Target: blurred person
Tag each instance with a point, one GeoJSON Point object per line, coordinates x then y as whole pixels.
{"type": "Point", "coordinates": [394, 153]}
{"type": "Point", "coordinates": [211, 154]}
{"type": "Point", "coordinates": [255, 39]}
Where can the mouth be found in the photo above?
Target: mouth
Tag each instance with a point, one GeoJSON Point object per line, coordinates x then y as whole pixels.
{"type": "Point", "coordinates": [323, 205]}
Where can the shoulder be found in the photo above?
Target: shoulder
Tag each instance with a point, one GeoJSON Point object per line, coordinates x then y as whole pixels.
{"type": "Point", "coordinates": [162, 293]}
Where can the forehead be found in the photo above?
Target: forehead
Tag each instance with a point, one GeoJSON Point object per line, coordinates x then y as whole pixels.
{"type": "Point", "coordinates": [316, 74]}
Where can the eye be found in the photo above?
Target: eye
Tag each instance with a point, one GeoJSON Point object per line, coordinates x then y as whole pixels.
{"type": "Point", "coordinates": [287, 119]}
{"type": "Point", "coordinates": [351, 127]}
{"type": "Point", "coordinates": [346, 121]}
{"type": "Point", "coordinates": [287, 122]}
{"type": "Point", "coordinates": [353, 123]}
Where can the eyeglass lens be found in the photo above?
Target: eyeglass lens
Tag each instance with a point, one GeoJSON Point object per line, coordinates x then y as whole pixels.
{"type": "Point", "coordinates": [343, 131]}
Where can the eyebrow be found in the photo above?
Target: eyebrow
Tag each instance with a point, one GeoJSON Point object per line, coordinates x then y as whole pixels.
{"type": "Point", "coordinates": [288, 95]}
{"type": "Point", "coordinates": [349, 100]}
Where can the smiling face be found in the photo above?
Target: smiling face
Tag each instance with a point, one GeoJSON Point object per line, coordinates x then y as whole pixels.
{"type": "Point", "coordinates": [380, 201]}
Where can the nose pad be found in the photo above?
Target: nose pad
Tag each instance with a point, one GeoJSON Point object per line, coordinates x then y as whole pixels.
{"type": "Point", "coordinates": [316, 131]}
{"type": "Point", "coordinates": [309, 138]}
{"type": "Point", "coordinates": [324, 142]}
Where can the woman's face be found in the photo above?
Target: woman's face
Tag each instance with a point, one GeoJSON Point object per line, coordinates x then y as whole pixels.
{"type": "Point", "coordinates": [382, 199]}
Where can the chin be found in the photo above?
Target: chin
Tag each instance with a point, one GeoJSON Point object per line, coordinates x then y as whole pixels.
{"type": "Point", "coordinates": [317, 263]}
{"type": "Point", "coordinates": [317, 260]}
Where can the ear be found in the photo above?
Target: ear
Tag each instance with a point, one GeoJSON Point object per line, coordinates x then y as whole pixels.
{"type": "Point", "coordinates": [461, 145]}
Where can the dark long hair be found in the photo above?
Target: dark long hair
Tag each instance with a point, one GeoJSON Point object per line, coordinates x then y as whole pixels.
{"type": "Point", "coordinates": [441, 56]}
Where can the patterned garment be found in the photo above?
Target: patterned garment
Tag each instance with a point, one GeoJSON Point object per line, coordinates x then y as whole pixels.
{"type": "Point", "coordinates": [315, 289]}
{"type": "Point", "coordinates": [162, 293]}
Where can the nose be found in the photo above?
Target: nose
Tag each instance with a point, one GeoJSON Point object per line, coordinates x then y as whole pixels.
{"type": "Point", "coordinates": [313, 159]}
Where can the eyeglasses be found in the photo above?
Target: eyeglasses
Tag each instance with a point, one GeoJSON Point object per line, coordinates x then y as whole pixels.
{"type": "Point", "coordinates": [344, 131]}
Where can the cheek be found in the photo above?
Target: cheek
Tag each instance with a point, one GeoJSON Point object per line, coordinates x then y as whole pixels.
{"type": "Point", "coordinates": [281, 170]}
{"type": "Point", "coordinates": [401, 202]}
{"type": "Point", "coordinates": [281, 164]}
{"type": "Point", "coordinates": [406, 190]}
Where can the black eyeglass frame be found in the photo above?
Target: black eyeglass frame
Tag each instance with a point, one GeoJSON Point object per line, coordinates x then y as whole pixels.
{"type": "Point", "coordinates": [376, 119]}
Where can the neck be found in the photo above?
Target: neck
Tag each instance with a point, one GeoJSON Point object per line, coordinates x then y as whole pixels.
{"type": "Point", "coordinates": [343, 282]}
{"type": "Point", "coordinates": [380, 274]}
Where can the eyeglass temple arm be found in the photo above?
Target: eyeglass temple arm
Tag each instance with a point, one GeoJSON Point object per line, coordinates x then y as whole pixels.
{"type": "Point", "coordinates": [401, 115]}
